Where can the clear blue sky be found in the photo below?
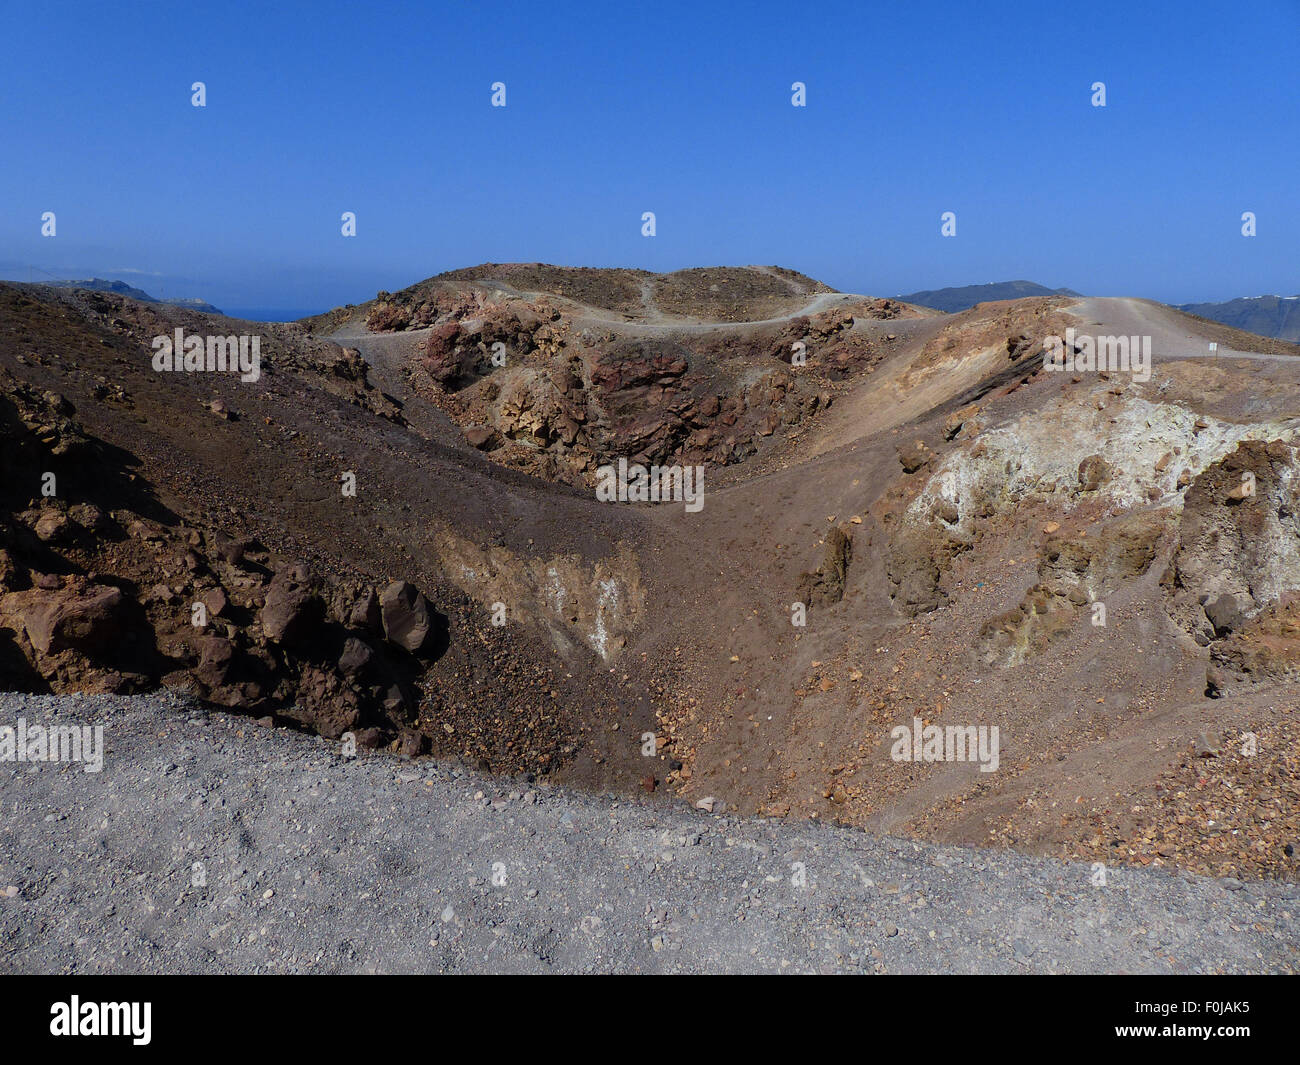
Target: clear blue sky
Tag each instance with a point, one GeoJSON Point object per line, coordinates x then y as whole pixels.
{"type": "Point", "coordinates": [682, 109]}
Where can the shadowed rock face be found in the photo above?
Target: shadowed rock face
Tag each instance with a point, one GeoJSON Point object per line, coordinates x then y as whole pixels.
{"type": "Point", "coordinates": [103, 588]}
{"type": "Point", "coordinates": [184, 606]}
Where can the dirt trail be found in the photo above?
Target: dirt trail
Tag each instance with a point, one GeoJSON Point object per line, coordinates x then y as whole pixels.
{"type": "Point", "coordinates": [1174, 335]}
{"type": "Point", "coordinates": [892, 397]}
{"type": "Point", "coordinates": [655, 322]}
{"type": "Point", "coordinates": [796, 288]}
{"type": "Point", "coordinates": [663, 324]}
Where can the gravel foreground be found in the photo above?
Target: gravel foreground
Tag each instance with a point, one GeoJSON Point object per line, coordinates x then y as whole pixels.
{"type": "Point", "coordinates": [309, 861]}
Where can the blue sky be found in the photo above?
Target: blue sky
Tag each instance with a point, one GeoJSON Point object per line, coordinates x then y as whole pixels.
{"type": "Point", "coordinates": [681, 109]}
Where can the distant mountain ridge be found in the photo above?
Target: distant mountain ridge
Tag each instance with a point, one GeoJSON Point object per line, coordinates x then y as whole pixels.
{"type": "Point", "coordinates": [1266, 316]}
{"type": "Point", "coordinates": [965, 297]}
{"type": "Point", "coordinates": [121, 288]}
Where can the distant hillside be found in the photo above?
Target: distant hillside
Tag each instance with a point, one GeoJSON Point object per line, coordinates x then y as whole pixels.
{"type": "Point", "coordinates": [713, 294]}
{"type": "Point", "coordinates": [1266, 316]}
{"type": "Point", "coordinates": [965, 297]}
{"type": "Point", "coordinates": [121, 288]}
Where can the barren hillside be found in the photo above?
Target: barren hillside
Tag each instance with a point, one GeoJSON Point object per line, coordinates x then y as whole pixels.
{"type": "Point", "coordinates": [905, 515]}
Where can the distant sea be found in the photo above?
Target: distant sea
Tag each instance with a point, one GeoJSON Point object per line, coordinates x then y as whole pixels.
{"type": "Point", "coordinates": [272, 314]}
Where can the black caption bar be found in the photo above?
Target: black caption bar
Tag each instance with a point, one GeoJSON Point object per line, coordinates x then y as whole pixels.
{"type": "Point", "coordinates": [143, 1014]}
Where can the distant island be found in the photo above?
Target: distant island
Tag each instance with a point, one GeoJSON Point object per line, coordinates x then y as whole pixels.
{"type": "Point", "coordinates": [1267, 316]}
{"type": "Point", "coordinates": [965, 297]}
{"type": "Point", "coordinates": [121, 288]}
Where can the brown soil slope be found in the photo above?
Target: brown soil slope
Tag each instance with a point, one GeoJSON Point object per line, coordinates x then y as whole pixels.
{"type": "Point", "coordinates": [906, 516]}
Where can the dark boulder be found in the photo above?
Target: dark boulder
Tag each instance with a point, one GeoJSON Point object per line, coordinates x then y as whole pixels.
{"type": "Point", "coordinates": [406, 616]}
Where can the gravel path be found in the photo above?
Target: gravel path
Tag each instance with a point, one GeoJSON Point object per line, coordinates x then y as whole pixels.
{"type": "Point", "coordinates": [314, 862]}
{"type": "Point", "coordinates": [1126, 316]}
{"type": "Point", "coordinates": [655, 321]}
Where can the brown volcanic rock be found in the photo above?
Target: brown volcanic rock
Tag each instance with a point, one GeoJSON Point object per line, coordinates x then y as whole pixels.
{"type": "Point", "coordinates": [642, 393]}
{"type": "Point", "coordinates": [293, 610]}
{"type": "Point", "coordinates": [825, 584]}
{"type": "Point", "coordinates": [917, 560]}
{"type": "Point", "coordinates": [216, 655]}
{"type": "Point", "coordinates": [914, 456]}
{"type": "Point", "coordinates": [571, 396]}
{"type": "Point", "coordinates": [365, 614]}
{"type": "Point", "coordinates": [444, 358]}
{"type": "Point", "coordinates": [357, 655]}
{"type": "Point", "coordinates": [1267, 647]}
{"type": "Point", "coordinates": [1224, 613]}
{"type": "Point", "coordinates": [1098, 564]}
{"type": "Point", "coordinates": [1094, 471]}
{"type": "Point", "coordinates": [531, 408]}
{"type": "Point", "coordinates": [82, 619]}
{"type": "Point", "coordinates": [639, 364]}
{"type": "Point", "coordinates": [406, 616]}
{"type": "Point", "coordinates": [1234, 548]}
{"type": "Point", "coordinates": [483, 437]}
{"type": "Point", "coordinates": [331, 707]}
